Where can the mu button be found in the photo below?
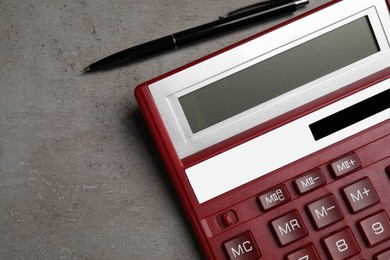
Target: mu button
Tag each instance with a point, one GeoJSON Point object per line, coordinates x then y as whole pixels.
{"type": "Point", "coordinates": [288, 228]}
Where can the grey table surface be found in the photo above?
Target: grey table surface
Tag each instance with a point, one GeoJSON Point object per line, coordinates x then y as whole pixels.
{"type": "Point", "coordinates": [80, 177]}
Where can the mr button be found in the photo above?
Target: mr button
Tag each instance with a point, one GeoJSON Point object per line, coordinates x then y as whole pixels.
{"type": "Point", "coordinates": [288, 228]}
{"type": "Point", "coordinates": [242, 247]}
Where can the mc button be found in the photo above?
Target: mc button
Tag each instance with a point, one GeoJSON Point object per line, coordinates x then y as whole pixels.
{"type": "Point", "coordinates": [242, 247]}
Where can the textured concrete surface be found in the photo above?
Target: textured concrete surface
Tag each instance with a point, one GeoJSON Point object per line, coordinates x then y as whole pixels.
{"type": "Point", "coordinates": [80, 177]}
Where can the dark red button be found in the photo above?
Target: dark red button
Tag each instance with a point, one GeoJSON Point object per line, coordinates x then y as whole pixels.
{"type": "Point", "coordinates": [306, 253]}
{"type": "Point", "coordinates": [227, 219]}
{"type": "Point", "coordinates": [309, 182]}
{"type": "Point", "coordinates": [325, 211]}
{"type": "Point", "coordinates": [375, 229]}
{"type": "Point", "coordinates": [388, 171]}
{"type": "Point", "coordinates": [288, 228]}
{"type": "Point", "coordinates": [345, 165]}
{"type": "Point", "coordinates": [273, 198]}
{"type": "Point", "coordinates": [384, 255]}
{"type": "Point", "coordinates": [341, 245]}
{"type": "Point", "coordinates": [242, 247]}
{"type": "Point", "coordinates": [360, 195]}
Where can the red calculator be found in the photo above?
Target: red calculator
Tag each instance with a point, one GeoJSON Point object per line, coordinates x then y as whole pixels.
{"type": "Point", "coordinates": [279, 146]}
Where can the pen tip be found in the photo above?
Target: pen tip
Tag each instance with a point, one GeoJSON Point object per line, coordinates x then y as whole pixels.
{"type": "Point", "coordinates": [300, 3]}
{"type": "Point", "coordinates": [87, 69]}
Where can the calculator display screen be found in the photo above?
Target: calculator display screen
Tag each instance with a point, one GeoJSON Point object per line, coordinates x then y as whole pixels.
{"type": "Point", "coordinates": [279, 74]}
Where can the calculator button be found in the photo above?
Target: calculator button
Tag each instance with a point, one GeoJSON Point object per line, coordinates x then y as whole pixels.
{"type": "Point", "coordinates": [227, 219]}
{"type": "Point", "coordinates": [341, 245]}
{"type": "Point", "coordinates": [325, 212]}
{"type": "Point", "coordinates": [385, 255]}
{"type": "Point", "coordinates": [360, 195]}
{"type": "Point", "coordinates": [375, 229]}
{"type": "Point", "coordinates": [345, 165]}
{"type": "Point", "coordinates": [273, 198]}
{"type": "Point", "coordinates": [306, 253]}
{"type": "Point", "coordinates": [242, 247]}
{"type": "Point", "coordinates": [309, 182]}
{"type": "Point", "coordinates": [288, 228]}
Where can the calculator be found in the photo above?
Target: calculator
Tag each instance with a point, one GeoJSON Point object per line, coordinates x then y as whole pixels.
{"type": "Point", "coordinates": [279, 145]}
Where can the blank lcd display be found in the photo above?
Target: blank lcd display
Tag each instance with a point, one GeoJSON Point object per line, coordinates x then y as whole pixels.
{"type": "Point", "coordinates": [279, 74]}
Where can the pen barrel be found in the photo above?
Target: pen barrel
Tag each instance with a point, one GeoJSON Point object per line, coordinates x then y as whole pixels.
{"type": "Point", "coordinates": [136, 53]}
{"type": "Point", "coordinates": [235, 22]}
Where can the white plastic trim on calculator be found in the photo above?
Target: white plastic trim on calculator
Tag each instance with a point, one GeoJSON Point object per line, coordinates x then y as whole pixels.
{"type": "Point", "coordinates": [167, 91]}
{"type": "Point", "coordinates": [275, 149]}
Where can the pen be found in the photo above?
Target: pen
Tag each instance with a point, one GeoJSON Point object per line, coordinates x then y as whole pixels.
{"type": "Point", "coordinates": [232, 21]}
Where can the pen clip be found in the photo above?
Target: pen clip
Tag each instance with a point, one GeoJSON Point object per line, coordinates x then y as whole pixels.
{"type": "Point", "coordinates": [248, 8]}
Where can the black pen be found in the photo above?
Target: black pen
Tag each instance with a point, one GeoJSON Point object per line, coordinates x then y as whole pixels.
{"type": "Point", "coordinates": [232, 21]}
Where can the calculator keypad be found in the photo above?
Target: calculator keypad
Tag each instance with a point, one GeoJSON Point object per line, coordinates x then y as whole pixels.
{"type": "Point", "coordinates": [323, 212]}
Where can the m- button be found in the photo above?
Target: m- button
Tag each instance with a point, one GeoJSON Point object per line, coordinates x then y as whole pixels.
{"type": "Point", "coordinates": [325, 211]}
{"type": "Point", "coordinates": [242, 247]}
{"type": "Point", "coordinates": [288, 228]}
